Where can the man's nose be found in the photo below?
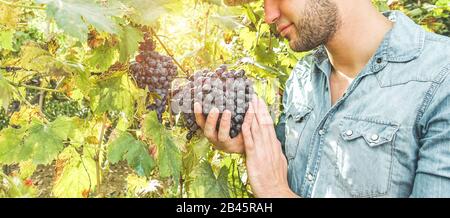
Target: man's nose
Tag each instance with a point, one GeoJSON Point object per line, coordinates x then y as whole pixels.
{"type": "Point", "coordinates": [271, 11]}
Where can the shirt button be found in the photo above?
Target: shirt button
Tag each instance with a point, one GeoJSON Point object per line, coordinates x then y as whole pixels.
{"type": "Point", "coordinates": [349, 132]}
{"type": "Point", "coordinates": [310, 177]}
{"type": "Point", "coordinates": [379, 60]}
{"type": "Point", "coordinates": [374, 137]}
{"type": "Point", "coordinates": [321, 132]}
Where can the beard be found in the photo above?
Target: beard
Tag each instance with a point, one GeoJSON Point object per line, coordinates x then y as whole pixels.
{"type": "Point", "coordinates": [318, 23]}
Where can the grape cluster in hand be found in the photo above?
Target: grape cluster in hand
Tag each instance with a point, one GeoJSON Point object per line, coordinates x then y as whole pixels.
{"type": "Point", "coordinates": [154, 72]}
{"type": "Point", "coordinates": [221, 89]}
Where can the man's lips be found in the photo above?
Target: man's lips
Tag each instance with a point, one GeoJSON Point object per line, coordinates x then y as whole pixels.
{"type": "Point", "coordinates": [282, 28]}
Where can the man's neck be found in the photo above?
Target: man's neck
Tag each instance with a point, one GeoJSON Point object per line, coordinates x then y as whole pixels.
{"type": "Point", "coordinates": [359, 35]}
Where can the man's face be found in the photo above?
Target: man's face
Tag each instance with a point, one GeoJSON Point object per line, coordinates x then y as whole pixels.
{"type": "Point", "coordinates": [305, 23]}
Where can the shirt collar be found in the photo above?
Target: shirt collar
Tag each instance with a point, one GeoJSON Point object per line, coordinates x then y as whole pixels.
{"type": "Point", "coordinates": [406, 39]}
{"type": "Point", "coordinates": [403, 43]}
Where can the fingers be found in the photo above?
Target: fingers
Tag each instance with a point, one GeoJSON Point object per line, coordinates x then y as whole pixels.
{"type": "Point", "coordinates": [262, 113]}
{"type": "Point", "coordinates": [210, 124]}
{"type": "Point", "coordinates": [199, 118]}
{"type": "Point", "coordinates": [225, 126]}
{"type": "Point", "coordinates": [246, 129]}
{"type": "Point", "coordinates": [264, 119]}
{"type": "Point", "coordinates": [254, 126]}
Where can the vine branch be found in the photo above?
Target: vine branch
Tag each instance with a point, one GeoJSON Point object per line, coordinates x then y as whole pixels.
{"type": "Point", "coordinates": [97, 155]}
{"type": "Point", "coordinates": [168, 52]}
{"type": "Point", "coordinates": [34, 87]}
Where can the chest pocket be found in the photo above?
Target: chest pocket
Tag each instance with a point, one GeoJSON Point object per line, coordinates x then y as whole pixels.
{"type": "Point", "coordinates": [297, 117]}
{"type": "Point", "coordinates": [364, 155]}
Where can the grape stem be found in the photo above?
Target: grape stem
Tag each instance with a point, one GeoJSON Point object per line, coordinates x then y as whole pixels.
{"type": "Point", "coordinates": [181, 184]}
{"type": "Point", "coordinates": [233, 165]}
{"type": "Point", "coordinates": [168, 52]}
{"type": "Point", "coordinates": [34, 87]}
{"type": "Point", "coordinates": [41, 102]}
{"type": "Point", "coordinates": [21, 6]}
{"type": "Point", "coordinates": [98, 153]}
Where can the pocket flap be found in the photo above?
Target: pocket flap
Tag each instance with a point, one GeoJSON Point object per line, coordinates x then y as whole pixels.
{"type": "Point", "coordinates": [298, 111]}
{"type": "Point", "coordinates": [374, 132]}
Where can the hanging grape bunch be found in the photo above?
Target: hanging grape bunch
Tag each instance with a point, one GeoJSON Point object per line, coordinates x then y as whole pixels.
{"type": "Point", "coordinates": [221, 89]}
{"type": "Point", "coordinates": [154, 72]}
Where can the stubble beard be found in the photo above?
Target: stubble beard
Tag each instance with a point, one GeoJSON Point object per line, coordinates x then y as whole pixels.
{"type": "Point", "coordinates": [317, 25]}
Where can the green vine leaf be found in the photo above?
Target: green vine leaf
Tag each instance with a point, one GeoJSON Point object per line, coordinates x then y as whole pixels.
{"type": "Point", "coordinates": [71, 14]}
{"type": "Point", "coordinates": [129, 42]}
{"type": "Point", "coordinates": [169, 155]}
{"type": "Point", "coordinates": [147, 12]}
{"type": "Point", "coordinates": [39, 142]}
{"type": "Point", "coordinates": [116, 93]}
{"type": "Point", "coordinates": [10, 141]}
{"type": "Point", "coordinates": [206, 185]}
{"type": "Point", "coordinates": [101, 58]}
{"type": "Point", "coordinates": [126, 147]}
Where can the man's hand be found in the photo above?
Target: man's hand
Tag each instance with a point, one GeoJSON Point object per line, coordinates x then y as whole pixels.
{"type": "Point", "coordinates": [266, 163]}
{"type": "Point", "coordinates": [221, 139]}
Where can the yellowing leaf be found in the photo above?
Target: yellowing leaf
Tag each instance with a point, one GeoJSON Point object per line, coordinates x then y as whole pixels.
{"type": "Point", "coordinates": [6, 39]}
{"type": "Point", "coordinates": [35, 58]}
{"type": "Point", "coordinates": [7, 92]}
{"type": "Point", "coordinates": [77, 176]}
{"type": "Point", "coordinates": [9, 16]}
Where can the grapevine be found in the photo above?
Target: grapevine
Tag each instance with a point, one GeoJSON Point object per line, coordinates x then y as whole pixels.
{"type": "Point", "coordinates": [96, 97]}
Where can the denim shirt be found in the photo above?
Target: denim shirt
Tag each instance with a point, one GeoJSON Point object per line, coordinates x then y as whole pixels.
{"type": "Point", "coordinates": [388, 136]}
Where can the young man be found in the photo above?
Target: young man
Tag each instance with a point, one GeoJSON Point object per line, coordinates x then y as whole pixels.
{"type": "Point", "coordinates": [367, 115]}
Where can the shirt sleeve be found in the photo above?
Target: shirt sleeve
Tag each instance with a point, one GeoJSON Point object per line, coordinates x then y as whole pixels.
{"type": "Point", "coordinates": [433, 167]}
{"type": "Point", "coordinates": [280, 130]}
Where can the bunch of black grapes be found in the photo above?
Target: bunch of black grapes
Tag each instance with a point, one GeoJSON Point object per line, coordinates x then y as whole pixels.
{"type": "Point", "coordinates": [154, 72]}
{"type": "Point", "coordinates": [221, 89]}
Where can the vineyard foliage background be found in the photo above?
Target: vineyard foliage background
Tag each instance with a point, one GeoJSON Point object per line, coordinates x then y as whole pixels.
{"type": "Point", "coordinates": [74, 124]}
